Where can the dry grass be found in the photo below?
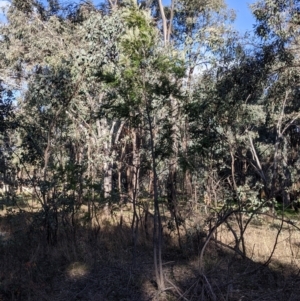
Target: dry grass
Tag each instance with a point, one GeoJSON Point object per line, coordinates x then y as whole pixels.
{"type": "Point", "coordinates": [92, 263]}
{"type": "Point", "coordinates": [261, 240]}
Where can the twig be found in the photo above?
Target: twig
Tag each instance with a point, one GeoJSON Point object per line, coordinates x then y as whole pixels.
{"type": "Point", "coordinates": [221, 220]}
{"type": "Point", "coordinates": [210, 288]}
{"type": "Point", "coordinates": [275, 244]}
{"type": "Point", "coordinates": [176, 289]}
{"type": "Point", "coordinates": [188, 290]}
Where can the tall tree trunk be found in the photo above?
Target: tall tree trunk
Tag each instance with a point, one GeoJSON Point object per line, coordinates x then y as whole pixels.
{"type": "Point", "coordinates": [135, 188]}
{"type": "Point", "coordinates": [107, 179]}
{"type": "Point", "coordinates": [157, 229]}
{"type": "Point", "coordinates": [172, 178]}
{"type": "Point", "coordinates": [108, 164]}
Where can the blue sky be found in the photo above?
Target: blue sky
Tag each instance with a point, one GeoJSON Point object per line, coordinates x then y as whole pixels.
{"type": "Point", "coordinates": [244, 18]}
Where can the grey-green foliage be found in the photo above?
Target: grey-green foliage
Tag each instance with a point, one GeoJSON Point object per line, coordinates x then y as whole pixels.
{"type": "Point", "coordinates": [243, 111]}
{"type": "Point", "coordinates": [87, 78]}
{"type": "Point", "coordinates": [99, 50]}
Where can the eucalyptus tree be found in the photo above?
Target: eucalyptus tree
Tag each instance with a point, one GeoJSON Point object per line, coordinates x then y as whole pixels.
{"type": "Point", "coordinates": [198, 29]}
{"type": "Point", "coordinates": [39, 51]}
{"type": "Point", "coordinates": [96, 60]}
{"type": "Point", "coordinates": [152, 75]}
{"type": "Point", "coordinates": [142, 84]}
{"type": "Point", "coordinates": [249, 108]}
{"type": "Point", "coordinates": [250, 116]}
{"type": "Point", "coordinates": [278, 27]}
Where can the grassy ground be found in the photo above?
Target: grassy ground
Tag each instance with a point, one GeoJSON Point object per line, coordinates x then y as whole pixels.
{"type": "Point", "coordinates": [96, 263]}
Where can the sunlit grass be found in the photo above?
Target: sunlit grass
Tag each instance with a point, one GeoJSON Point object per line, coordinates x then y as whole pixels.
{"type": "Point", "coordinates": [77, 270]}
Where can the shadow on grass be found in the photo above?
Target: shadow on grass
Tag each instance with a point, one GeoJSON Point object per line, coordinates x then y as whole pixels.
{"type": "Point", "coordinates": [85, 264]}
{"type": "Point", "coordinates": [227, 276]}
{"type": "Point", "coordinates": [96, 264]}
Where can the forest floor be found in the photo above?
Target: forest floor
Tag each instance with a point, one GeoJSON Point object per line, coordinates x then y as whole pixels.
{"type": "Point", "coordinates": [96, 262]}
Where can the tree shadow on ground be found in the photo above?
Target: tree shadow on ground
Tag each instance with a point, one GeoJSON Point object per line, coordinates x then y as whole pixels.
{"type": "Point", "coordinates": [228, 276]}
{"type": "Point", "coordinates": [90, 263]}
{"type": "Point", "coordinates": [85, 264]}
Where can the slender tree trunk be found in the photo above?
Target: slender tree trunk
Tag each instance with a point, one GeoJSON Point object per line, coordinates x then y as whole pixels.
{"type": "Point", "coordinates": [89, 175]}
{"type": "Point", "coordinates": [233, 169]}
{"type": "Point", "coordinates": [157, 229]}
{"type": "Point", "coordinates": [107, 179]}
{"type": "Point", "coordinates": [164, 21]}
{"type": "Point", "coordinates": [135, 189]}
{"type": "Point", "coordinates": [287, 183]}
{"type": "Point", "coordinates": [275, 168]}
{"type": "Point", "coordinates": [172, 179]}
{"type": "Point", "coordinates": [108, 164]}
